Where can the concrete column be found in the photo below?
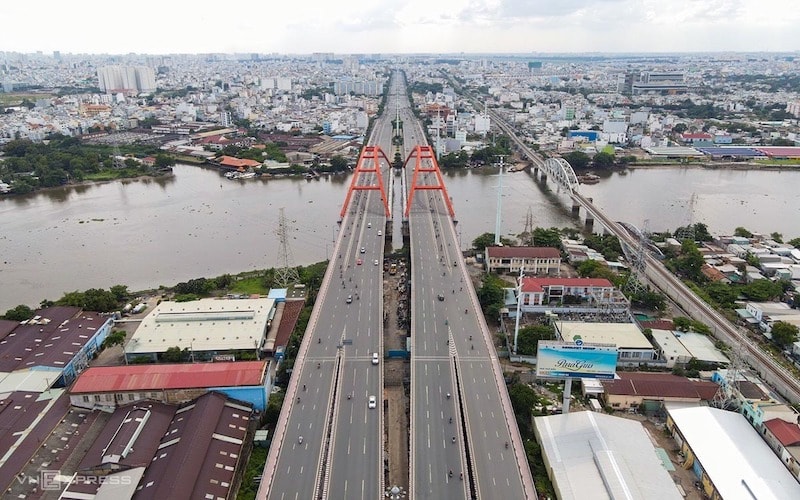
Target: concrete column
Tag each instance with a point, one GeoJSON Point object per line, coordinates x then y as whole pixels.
{"type": "Point", "coordinates": [566, 396]}
{"type": "Point", "coordinates": [576, 208]}
{"type": "Point", "coordinates": [589, 224]}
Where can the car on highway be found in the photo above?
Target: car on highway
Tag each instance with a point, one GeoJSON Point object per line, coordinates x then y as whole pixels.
{"type": "Point", "coordinates": [440, 297]}
{"type": "Point", "coordinates": [349, 299]}
{"type": "Point", "coordinates": [380, 233]}
{"type": "Point", "coordinates": [359, 262]}
{"type": "Point", "coordinates": [369, 224]}
{"type": "Point", "coordinates": [372, 403]}
{"type": "Point", "coordinates": [376, 262]}
{"type": "Point", "coordinates": [375, 358]}
{"type": "Point", "coordinates": [363, 250]}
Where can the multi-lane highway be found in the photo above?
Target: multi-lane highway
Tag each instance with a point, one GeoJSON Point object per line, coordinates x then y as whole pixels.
{"type": "Point", "coordinates": [464, 439]}
{"type": "Point", "coordinates": [329, 440]}
{"type": "Point", "coordinates": [327, 403]}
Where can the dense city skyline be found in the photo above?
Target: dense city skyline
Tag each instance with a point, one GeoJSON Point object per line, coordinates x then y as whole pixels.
{"type": "Point", "coordinates": [351, 26]}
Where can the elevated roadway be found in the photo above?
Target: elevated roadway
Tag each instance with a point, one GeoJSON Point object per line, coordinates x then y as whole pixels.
{"type": "Point", "coordinates": [472, 432]}
{"type": "Point", "coordinates": [762, 362]}
{"type": "Point", "coordinates": [327, 401]}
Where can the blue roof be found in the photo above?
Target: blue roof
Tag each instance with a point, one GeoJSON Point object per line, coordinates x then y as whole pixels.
{"type": "Point", "coordinates": [343, 137]}
{"type": "Point", "coordinates": [730, 151]}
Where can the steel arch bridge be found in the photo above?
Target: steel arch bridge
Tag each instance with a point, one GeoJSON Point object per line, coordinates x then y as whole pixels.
{"type": "Point", "coordinates": [561, 171]}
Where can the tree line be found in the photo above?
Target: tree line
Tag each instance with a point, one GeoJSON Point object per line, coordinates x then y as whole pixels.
{"type": "Point", "coordinates": [29, 165]}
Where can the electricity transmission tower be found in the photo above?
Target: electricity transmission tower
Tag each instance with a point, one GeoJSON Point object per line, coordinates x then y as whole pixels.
{"type": "Point", "coordinates": [638, 262]}
{"type": "Point", "coordinates": [528, 231]}
{"type": "Point", "coordinates": [285, 273]}
{"type": "Point", "coordinates": [724, 398]}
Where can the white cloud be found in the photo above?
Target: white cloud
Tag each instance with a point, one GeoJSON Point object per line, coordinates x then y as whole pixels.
{"type": "Point", "coordinates": [150, 26]}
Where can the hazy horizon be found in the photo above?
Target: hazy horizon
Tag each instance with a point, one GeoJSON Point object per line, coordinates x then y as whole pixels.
{"type": "Point", "coordinates": [407, 28]}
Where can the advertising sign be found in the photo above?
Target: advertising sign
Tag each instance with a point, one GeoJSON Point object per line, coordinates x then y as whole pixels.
{"type": "Point", "coordinates": [579, 360]}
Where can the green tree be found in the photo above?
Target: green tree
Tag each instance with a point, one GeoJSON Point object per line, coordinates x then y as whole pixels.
{"type": "Point", "coordinates": [542, 237]}
{"type": "Point", "coordinates": [529, 337]}
{"type": "Point", "coordinates": [120, 293]}
{"type": "Point", "coordinates": [778, 237]}
{"type": "Point", "coordinates": [491, 291]}
{"type": "Point", "coordinates": [97, 299]}
{"type": "Point", "coordinates": [487, 240]}
{"type": "Point", "coordinates": [679, 128]}
{"type": "Point", "coordinates": [795, 242]}
{"type": "Point", "coordinates": [524, 400]}
{"type": "Point", "coordinates": [784, 334]}
{"type": "Point", "coordinates": [724, 295]}
{"type": "Point", "coordinates": [117, 337]}
{"type": "Point", "coordinates": [603, 160]}
{"type": "Point", "coordinates": [175, 355]}
{"type": "Point", "coordinates": [338, 163]}
{"type": "Point", "coordinates": [588, 268]}
{"type": "Point", "coordinates": [742, 232]}
{"type": "Point", "coordinates": [762, 290]}
{"type": "Point", "coordinates": [163, 161]}
{"type": "Point", "coordinates": [690, 262]}
{"type": "Point", "coordinates": [649, 299]}
{"type": "Point", "coordinates": [577, 159]}
{"type": "Point", "coordinates": [19, 313]}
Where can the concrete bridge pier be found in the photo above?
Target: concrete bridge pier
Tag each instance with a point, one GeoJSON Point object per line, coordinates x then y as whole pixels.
{"type": "Point", "coordinates": [576, 208]}
{"type": "Point", "coordinates": [589, 224]}
{"type": "Point", "coordinates": [543, 177]}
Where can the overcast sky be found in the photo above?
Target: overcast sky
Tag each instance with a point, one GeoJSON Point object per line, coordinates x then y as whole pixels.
{"type": "Point", "coordinates": [400, 26]}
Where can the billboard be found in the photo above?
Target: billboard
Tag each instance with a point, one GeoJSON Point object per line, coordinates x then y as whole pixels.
{"type": "Point", "coordinates": [579, 360]}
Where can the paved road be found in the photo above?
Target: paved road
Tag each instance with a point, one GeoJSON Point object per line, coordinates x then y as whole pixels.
{"type": "Point", "coordinates": [341, 454]}
{"type": "Point", "coordinates": [327, 399]}
{"type": "Point", "coordinates": [452, 353]}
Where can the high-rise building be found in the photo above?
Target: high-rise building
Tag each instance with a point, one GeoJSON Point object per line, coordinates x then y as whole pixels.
{"type": "Point", "coordinates": [126, 79]}
{"type": "Point", "coordinates": [654, 81]}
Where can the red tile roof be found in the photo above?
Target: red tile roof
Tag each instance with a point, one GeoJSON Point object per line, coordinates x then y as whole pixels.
{"type": "Point", "coordinates": [291, 312]}
{"type": "Point", "coordinates": [169, 376]}
{"type": "Point", "coordinates": [697, 135]}
{"type": "Point", "coordinates": [658, 324]}
{"type": "Point", "coordinates": [523, 252]}
{"type": "Point", "coordinates": [786, 433]}
{"type": "Point", "coordinates": [663, 385]}
{"type": "Point", "coordinates": [784, 151]}
{"type": "Point", "coordinates": [231, 161]}
{"type": "Point", "coordinates": [537, 284]}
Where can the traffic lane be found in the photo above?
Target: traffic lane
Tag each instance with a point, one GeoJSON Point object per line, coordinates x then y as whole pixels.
{"type": "Point", "coordinates": [434, 450]}
{"type": "Point", "coordinates": [299, 462]}
{"type": "Point", "coordinates": [497, 471]}
{"type": "Point", "coordinates": [356, 456]}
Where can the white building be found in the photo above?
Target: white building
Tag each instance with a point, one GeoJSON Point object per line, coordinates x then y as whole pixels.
{"type": "Point", "coordinates": [127, 79]}
{"type": "Point", "coordinates": [206, 327]}
{"type": "Point", "coordinates": [594, 456]}
{"type": "Point", "coordinates": [632, 346]}
{"type": "Point", "coordinates": [728, 456]}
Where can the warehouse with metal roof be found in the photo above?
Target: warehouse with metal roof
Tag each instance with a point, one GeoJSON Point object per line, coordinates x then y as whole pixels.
{"type": "Point", "coordinates": [728, 456]}
{"type": "Point", "coordinates": [206, 328]}
{"type": "Point", "coordinates": [598, 456]}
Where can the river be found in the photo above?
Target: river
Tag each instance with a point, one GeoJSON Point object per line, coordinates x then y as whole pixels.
{"type": "Point", "coordinates": [149, 232]}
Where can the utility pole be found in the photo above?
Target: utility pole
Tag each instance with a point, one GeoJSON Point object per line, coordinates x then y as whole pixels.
{"type": "Point", "coordinates": [519, 301]}
{"type": "Point", "coordinates": [499, 216]}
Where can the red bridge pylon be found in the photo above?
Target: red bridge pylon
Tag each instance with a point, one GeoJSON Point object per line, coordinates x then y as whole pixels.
{"type": "Point", "coordinates": [426, 163]}
{"type": "Point", "coordinates": [368, 163]}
